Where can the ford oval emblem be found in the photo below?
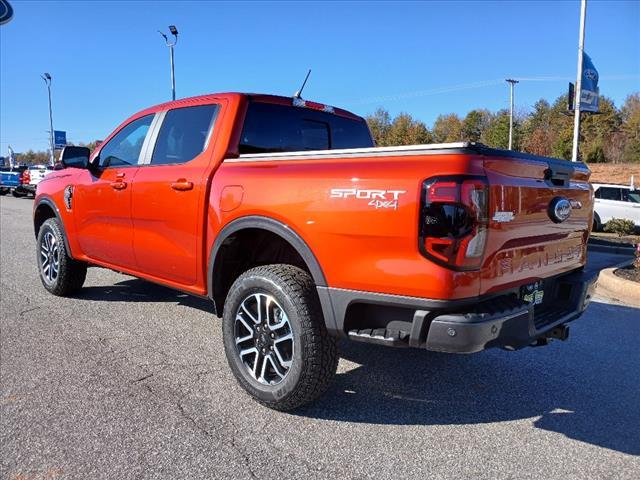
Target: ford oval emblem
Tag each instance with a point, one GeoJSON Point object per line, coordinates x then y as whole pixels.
{"type": "Point", "coordinates": [559, 209]}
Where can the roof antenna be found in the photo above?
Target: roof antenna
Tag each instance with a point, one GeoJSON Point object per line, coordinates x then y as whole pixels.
{"type": "Point", "coordinates": [299, 92]}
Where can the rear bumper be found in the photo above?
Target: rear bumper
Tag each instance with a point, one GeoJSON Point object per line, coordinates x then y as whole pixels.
{"type": "Point", "coordinates": [460, 326]}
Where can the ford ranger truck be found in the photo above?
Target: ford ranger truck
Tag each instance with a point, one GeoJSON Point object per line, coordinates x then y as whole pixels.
{"type": "Point", "coordinates": [301, 232]}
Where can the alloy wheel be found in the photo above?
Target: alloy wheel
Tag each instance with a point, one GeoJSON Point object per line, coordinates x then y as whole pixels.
{"type": "Point", "coordinates": [50, 257]}
{"type": "Point", "coordinates": [263, 338]}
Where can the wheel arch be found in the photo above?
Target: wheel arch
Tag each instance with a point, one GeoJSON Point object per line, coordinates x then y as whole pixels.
{"type": "Point", "coordinates": [215, 287]}
{"type": "Point", "coordinates": [44, 210]}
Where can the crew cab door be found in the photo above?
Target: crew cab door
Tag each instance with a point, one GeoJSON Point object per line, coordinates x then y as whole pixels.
{"type": "Point", "coordinates": [102, 197]}
{"type": "Point", "coordinates": [168, 197]}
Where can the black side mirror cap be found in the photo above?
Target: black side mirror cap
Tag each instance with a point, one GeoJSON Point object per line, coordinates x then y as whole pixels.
{"type": "Point", "coordinates": [76, 157]}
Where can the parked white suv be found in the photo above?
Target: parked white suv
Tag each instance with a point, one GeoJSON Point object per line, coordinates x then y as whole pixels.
{"type": "Point", "coordinates": [615, 201]}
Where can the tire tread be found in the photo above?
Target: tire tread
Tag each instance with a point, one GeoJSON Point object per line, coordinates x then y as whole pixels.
{"type": "Point", "coordinates": [321, 354]}
{"type": "Point", "coordinates": [72, 273]}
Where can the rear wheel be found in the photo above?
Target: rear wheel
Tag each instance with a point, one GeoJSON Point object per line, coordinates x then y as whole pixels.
{"type": "Point", "coordinates": [18, 194]}
{"type": "Point", "coordinates": [60, 274]}
{"type": "Point", "coordinates": [275, 339]}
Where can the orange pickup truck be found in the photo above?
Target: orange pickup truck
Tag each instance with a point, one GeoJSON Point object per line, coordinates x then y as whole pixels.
{"type": "Point", "coordinates": [301, 232]}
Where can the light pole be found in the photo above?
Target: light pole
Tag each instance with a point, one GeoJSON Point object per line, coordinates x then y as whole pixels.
{"type": "Point", "coordinates": [47, 79]}
{"type": "Point", "coordinates": [174, 32]}
{"type": "Point", "coordinates": [512, 84]}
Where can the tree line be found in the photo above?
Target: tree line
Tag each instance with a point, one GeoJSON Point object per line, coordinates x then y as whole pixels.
{"type": "Point", "coordinates": [613, 135]}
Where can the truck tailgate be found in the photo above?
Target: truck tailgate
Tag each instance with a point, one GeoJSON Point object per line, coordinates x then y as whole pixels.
{"type": "Point", "coordinates": [527, 241]}
{"type": "Point", "coordinates": [37, 174]}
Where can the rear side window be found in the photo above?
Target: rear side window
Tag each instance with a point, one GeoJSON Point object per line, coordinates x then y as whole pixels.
{"type": "Point", "coordinates": [608, 193]}
{"type": "Point", "coordinates": [280, 128]}
{"type": "Point", "coordinates": [183, 134]}
{"type": "Point", "coordinates": [124, 148]}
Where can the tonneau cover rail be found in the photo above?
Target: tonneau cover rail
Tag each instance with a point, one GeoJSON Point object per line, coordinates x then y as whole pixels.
{"type": "Point", "coordinates": [405, 150]}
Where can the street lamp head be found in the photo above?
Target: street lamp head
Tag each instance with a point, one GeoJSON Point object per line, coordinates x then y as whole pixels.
{"type": "Point", "coordinates": [173, 30]}
{"type": "Point", "coordinates": [47, 76]}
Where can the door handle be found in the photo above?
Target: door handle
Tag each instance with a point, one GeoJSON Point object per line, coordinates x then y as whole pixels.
{"type": "Point", "coordinates": [120, 185]}
{"type": "Point", "coordinates": [182, 185]}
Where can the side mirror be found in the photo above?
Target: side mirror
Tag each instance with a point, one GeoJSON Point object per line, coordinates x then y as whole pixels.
{"type": "Point", "coordinates": [76, 157]}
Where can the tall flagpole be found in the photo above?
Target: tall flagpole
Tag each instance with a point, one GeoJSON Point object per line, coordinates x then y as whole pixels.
{"type": "Point", "coordinates": [511, 83]}
{"type": "Point", "coordinates": [578, 92]}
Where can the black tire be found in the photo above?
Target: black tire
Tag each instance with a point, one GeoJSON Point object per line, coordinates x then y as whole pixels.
{"type": "Point", "coordinates": [18, 194]}
{"type": "Point", "coordinates": [3, 192]}
{"type": "Point", "coordinates": [313, 353]}
{"type": "Point", "coordinates": [70, 274]}
{"type": "Point", "coordinates": [597, 224]}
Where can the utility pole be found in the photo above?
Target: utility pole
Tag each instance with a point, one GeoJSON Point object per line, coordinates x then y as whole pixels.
{"type": "Point", "coordinates": [578, 91]}
{"type": "Point", "coordinates": [174, 32]}
{"type": "Point", "coordinates": [47, 79]}
{"type": "Point", "coordinates": [512, 84]}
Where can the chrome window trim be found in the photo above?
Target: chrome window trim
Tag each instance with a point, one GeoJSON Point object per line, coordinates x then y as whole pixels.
{"type": "Point", "coordinates": [214, 118]}
{"type": "Point", "coordinates": [150, 141]}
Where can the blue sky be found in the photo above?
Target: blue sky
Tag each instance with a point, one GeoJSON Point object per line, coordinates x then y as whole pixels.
{"type": "Point", "coordinates": [108, 61]}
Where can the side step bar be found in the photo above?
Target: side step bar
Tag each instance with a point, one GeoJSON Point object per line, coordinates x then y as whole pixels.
{"type": "Point", "coordinates": [381, 336]}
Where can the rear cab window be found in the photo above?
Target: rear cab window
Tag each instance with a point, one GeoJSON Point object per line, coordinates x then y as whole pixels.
{"type": "Point", "coordinates": [272, 128]}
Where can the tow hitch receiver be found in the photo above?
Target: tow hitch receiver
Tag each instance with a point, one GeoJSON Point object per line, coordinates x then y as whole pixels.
{"type": "Point", "coordinates": [561, 332]}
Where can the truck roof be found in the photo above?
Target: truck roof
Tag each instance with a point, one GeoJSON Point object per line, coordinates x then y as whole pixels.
{"type": "Point", "coordinates": [258, 97]}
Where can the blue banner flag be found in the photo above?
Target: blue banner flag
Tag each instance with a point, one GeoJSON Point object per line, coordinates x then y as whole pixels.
{"type": "Point", "coordinates": [589, 94]}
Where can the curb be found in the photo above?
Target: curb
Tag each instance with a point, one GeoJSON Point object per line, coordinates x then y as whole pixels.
{"type": "Point", "coordinates": [622, 250]}
{"type": "Point", "coordinates": [618, 288]}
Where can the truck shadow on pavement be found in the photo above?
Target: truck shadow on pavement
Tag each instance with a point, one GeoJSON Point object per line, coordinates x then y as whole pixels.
{"type": "Point", "coordinates": [137, 290]}
{"type": "Point", "coordinates": [587, 389]}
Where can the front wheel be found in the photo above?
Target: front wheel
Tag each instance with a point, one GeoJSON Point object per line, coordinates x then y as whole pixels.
{"type": "Point", "coordinates": [275, 339]}
{"type": "Point", "coordinates": [60, 274]}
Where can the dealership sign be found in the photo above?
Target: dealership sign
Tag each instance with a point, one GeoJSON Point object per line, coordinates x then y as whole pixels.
{"type": "Point", "coordinates": [59, 138]}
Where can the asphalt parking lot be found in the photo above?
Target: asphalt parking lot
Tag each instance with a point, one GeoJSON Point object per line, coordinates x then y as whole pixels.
{"type": "Point", "coordinates": [129, 380]}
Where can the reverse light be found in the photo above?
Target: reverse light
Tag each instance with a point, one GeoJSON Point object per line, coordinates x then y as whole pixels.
{"type": "Point", "coordinates": [454, 220]}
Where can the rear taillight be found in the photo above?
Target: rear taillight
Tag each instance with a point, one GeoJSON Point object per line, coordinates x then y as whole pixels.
{"type": "Point", "coordinates": [26, 178]}
{"type": "Point", "coordinates": [453, 221]}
